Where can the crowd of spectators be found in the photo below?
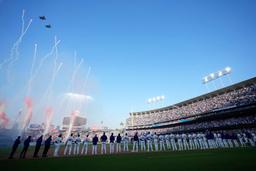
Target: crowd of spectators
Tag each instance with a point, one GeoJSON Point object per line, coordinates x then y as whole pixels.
{"type": "Point", "coordinates": [202, 126]}
{"type": "Point", "coordinates": [237, 97]}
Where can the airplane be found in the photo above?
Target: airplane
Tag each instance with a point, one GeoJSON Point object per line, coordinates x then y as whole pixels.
{"type": "Point", "coordinates": [42, 17]}
{"type": "Point", "coordinates": [48, 26]}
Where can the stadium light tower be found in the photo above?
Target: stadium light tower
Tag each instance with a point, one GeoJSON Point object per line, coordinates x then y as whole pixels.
{"type": "Point", "coordinates": [217, 75]}
{"type": "Point", "coordinates": [155, 100]}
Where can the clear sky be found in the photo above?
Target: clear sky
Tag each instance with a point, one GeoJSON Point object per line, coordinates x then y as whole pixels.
{"type": "Point", "coordinates": [137, 49]}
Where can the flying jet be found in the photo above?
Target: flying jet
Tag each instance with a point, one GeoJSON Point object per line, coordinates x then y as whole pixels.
{"type": "Point", "coordinates": [42, 17]}
{"type": "Point", "coordinates": [48, 26]}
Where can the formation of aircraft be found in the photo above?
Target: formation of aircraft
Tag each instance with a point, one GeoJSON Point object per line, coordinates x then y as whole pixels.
{"type": "Point", "coordinates": [44, 18]}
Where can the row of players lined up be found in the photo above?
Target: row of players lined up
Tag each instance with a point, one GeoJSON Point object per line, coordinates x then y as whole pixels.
{"type": "Point", "coordinates": [159, 142]}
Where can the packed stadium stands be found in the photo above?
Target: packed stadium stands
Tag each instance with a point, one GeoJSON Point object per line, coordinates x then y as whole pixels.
{"type": "Point", "coordinates": [226, 108]}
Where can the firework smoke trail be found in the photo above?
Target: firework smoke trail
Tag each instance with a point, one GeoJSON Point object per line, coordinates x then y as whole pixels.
{"type": "Point", "coordinates": [38, 68]}
{"type": "Point", "coordinates": [71, 87]}
{"type": "Point", "coordinates": [48, 93]}
{"type": "Point", "coordinates": [4, 120]}
{"type": "Point", "coordinates": [84, 86]}
{"type": "Point", "coordinates": [71, 122]}
{"type": "Point", "coordinates": [43, 60]}
{"type": "Point", "coordinates": [28, 113]}
{"type": "Point", "coordinates": [48, 114]}
{"type": "Point", "coordinates": [56, 69]}
{"type": "Point", "coordinates": [32, 71]}
{"type": "Point", "coordinates": [14, 54]}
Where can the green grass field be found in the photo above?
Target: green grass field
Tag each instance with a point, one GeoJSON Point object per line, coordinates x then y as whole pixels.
{"type": "Point", "coordinates": [215, 160]}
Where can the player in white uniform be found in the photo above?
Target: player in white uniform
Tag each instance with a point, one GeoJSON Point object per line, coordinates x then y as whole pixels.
{"type": "Point", "coordinates": [126, 142]}
{"type": "Point", "coordinates": [78, 143]}
{"type": "Point", "coordinates": [216, 140]}
{"type": "Point", "coordinates": [245, 138]}
{"type": "Point", "coordinates": [85, 144]}
{"type": "Point", "coordinates": [196, 143]}
{"type": "Point", "coordinates": [69, 145]}
{"type": "Point", "coordinates": [250, 139]}
{"type": "Point", "coordinates": [57, 144]}
{"type": "Point", "coordinates": [155, 137]}
{"type": "Point", "coordinates": [178, 136]}
{"type": "Point", "coordinates": [149, 142]}
{"type": "Point", "coordinates": [206, 146]}
{"type": "Point", "coordinates": [224, 140]}
{"type": "Point", "coordinates": [254, 137]}
{"type": "Point", "coordinates": [240, 138]}
{"type": "Point", "coordinates": [161, 142]}
{"type": "Point", "coordinates": [173, 143]}
{"type": "Point", "coordinates": [74, 145]}
{"type": "Point", "coordinates": [220, 142]}
{"type": "Point", "coordinates": [190, 141]}
{"type": "Point", "coordinates": [185, 142]}
{"type": "Point", "coordinates": [142, 142]}
{"type": "Point", "coordinates": [167, 141]}
{"type": "Point", "coordinates": [200, 140]}
{"type": "Point", "coordinates": [234, 139]}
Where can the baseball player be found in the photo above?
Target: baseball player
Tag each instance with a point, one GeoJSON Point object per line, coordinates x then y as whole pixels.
{"type": "Point", "coordinates": [69, 145]}
{"type": "Point", "coordinates": [126, 141]}
{"type": "Point", "coordinates": [57, 144]}
{"type": "Point", "coordinates": [85, 144]}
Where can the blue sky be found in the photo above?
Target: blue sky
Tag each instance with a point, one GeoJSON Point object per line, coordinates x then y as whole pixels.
{"type": "Point", "coordinates": [137, 49]}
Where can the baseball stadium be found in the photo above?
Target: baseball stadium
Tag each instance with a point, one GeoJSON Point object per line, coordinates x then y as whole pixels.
{"type": "Point", "coordinates": [148, 85]}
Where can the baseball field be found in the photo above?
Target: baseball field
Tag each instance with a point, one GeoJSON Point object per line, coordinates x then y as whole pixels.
{"type": "Point", "coordinates": [209, 160]}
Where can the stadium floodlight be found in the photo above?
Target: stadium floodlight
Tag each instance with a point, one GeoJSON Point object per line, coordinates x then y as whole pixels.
{"type": "Point", "coordinates": [149, 100]}
{"type": "Point", "coordinates": [158, 98]}
{"type": "Point", "coordinates": [220, 73]}
{"type": "Point", "coordinates": [216, 75]}
{"type": "Point", "coordinates": [228, 69]}
{"type": "Point", "coordinates": [212, 75]}
{"type": "Point", "coordinates": [155, 99]}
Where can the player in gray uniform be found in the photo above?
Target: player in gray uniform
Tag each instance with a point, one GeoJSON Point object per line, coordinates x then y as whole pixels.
{"type": "Point", "coordinates": [149, 142]}
{"type": "Point", "coordinates": [69, 145]}
{"type": "Point", "coordinates": [126, 142]}
{"type": "Point", "coordinates": [85, 145]}
{"type": "Point", "coordinates": [161, 142]}
{"type": "Point", "coordinates": [155, 138]}
{"type": "Point", "coordinates": [57, 144]}
{"type": "Point", "coordinates": [167, 141]}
